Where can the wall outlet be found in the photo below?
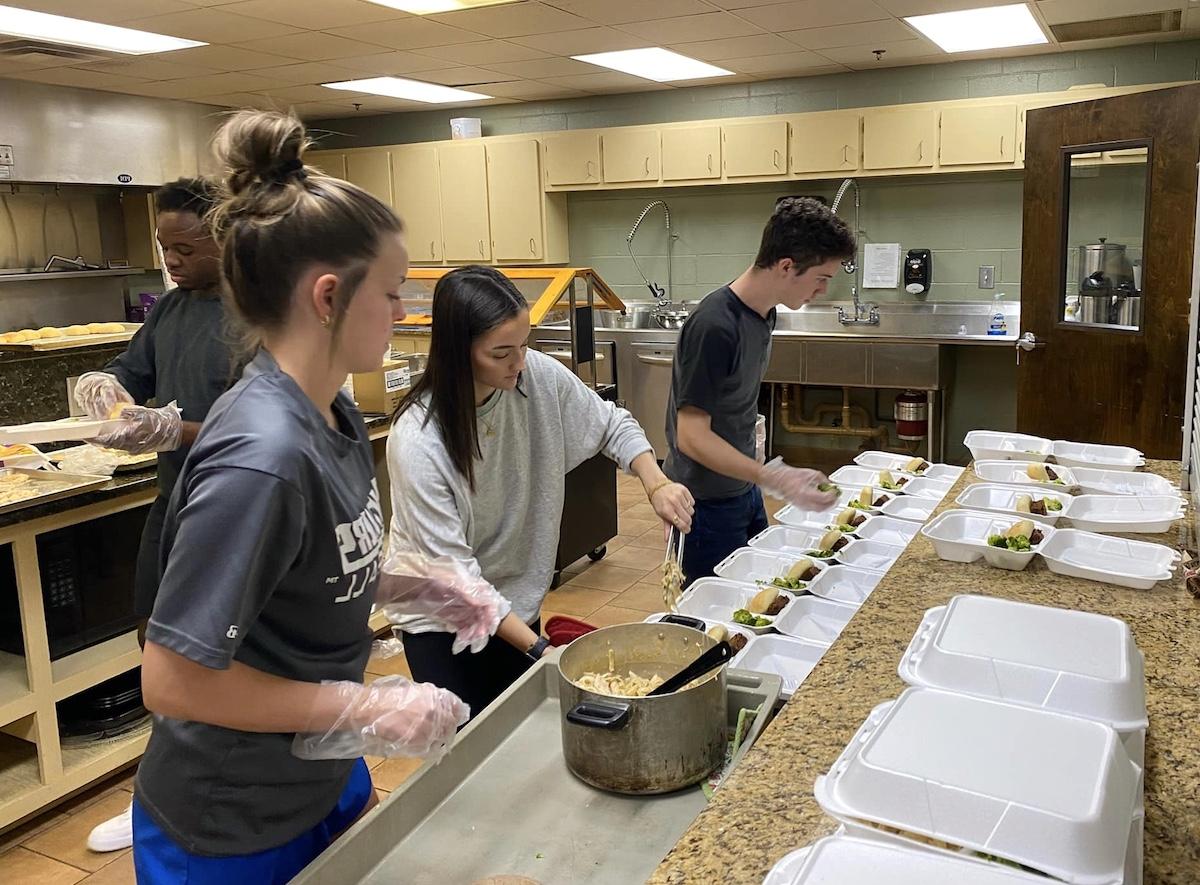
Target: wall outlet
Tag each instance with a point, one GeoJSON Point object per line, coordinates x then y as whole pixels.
{"type": "Point", "coordinates": [6, 155]}
{"type": "Point", "coordinates": [987, 276]}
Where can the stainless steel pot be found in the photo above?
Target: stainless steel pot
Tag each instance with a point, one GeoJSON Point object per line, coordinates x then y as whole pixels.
{"type": "Point", "coordinates": [1095, 308]}
{"type": "Point", "coordinates": [641, 745]}
{"type": "Point", "coordinates": [1106, 261]}
{"type": "Point", "coordinates": [1127, 310]}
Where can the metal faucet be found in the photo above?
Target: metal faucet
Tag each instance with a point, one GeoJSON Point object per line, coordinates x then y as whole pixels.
{"type": "Point", "coordinates": [661, 296]}
{"type": "Point", "coordinates": [864, 314]}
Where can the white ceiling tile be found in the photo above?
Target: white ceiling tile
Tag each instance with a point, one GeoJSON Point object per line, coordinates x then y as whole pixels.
{"type": "Point", "coordinates": [307, 72]}
{"type": "Point", "coordinates": [513, 20]}
{"type": "Point", "coordinates": [812, 14]}
{"type": "Point", "coordinates": [223, 58]}
{"type": "Point", "coordinates": [778, 63]}
{"type": "Point", "coordinates": [862, 57]}
{"type": "Point", "coordinates": [532, 89]}
{"type": "Point", "coordinates": [390, 63]}
{"type": "Point", "coordinates": [544, 68]}
{"type": "Point", "coordinates": [311, 45]}
{"type": "Point", "coordinates": [1059, 11]}
{"type": "Point", "coordinates": [236, 81]}
{"type": "Point", "coordinates": [108, 12]}
{"type": "Point", "coordinates": [320, 110]}
{"type": "Point", "coordinates": [210, 26]}
{"type": "Point", "coordinates": [607, 81]}
{"type": "Point", "coordinates": [615, 12]}
{"type": "Point", "coordinates": [465, 76]}
{"type": "Point", "coordinates": [314, 16]}
{"type": "Point", "coordinates": [583, 41]}
{"type": "Point", "coordinates": [408, 33]}
{"type": "Point", "coordinates": [483, 52]}
{"type": "Point", "coordinates": [881, 32]}
{"type": "Point", "coordinates": [150, 67]}
{"type": "Point", "coordinates": [243, 100]}
{"type": "Point", "coordinates": [691, 28]}
{"type": "Point", "coordinates": [734, 47]}
{"type": "Point", "coordinates": [929, 7]}
{"type": "Point", "coordinates": [309, 92]}
{"type": "Point", "coordinates": [79, 77]}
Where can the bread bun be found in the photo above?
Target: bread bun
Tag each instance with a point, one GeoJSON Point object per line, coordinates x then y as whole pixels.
{"type": "Point", "coordinates": [801, 565]}
{"type": "Point", "coordinates": [718, 632]}
{"type": "Point", "coordinates": [1024, 527]}
{"type": "Point", "coordinates": [1024, 504]}
{"type": "Point", "coordinates": [51, 332]}
{"type": "Point", "coordinates": [866, 496]}
{"type": "Point", "coordinates": [762, 601]}
{"type": "Point", "coordinates": [95, 328]}
{"type": "Point", "coordinates": [77, 331]}
{"type": "Point", "coordinates": [845, 517]}
{"type": "Point", "coordinates": [1037, 472]}
{"type": "Point", "coordinates": [115, 411]}
{"type": "Point", "coordinates": [111, 328]}
{"type": "Point", "coordinates": [828, 539]}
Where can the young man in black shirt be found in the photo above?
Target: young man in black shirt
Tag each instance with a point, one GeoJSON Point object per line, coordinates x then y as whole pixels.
{"type": "Point", "coordinates": [719, 366]}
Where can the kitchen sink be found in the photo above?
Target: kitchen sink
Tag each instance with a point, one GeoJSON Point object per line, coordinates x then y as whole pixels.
{"type": "Point", "coordinates": [938, 320]}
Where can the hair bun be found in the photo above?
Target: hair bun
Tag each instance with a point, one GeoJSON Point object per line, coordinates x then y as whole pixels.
{"type": "Point", "coordinates": [258, 148]}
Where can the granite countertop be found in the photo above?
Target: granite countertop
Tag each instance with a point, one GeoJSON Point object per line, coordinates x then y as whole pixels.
{"type": "Point", "coordinates": [767, 809]}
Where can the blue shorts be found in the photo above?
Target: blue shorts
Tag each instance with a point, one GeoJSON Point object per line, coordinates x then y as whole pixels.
{"type": "Point", "coordinates": [159, 860]}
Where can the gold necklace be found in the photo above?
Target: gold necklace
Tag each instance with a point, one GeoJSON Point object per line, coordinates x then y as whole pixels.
{"type": "Point", "coordinates": [491, 431]}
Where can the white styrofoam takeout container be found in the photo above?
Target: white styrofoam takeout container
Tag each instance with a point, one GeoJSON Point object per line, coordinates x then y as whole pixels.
{"type": "Point", "coordinates": [895, 463]}
{"type": "Point", "coordinates": [796, 542]}
{"type": "Point", "coordinates": [846, 584]}
{"type": "Point", "coordinates": [1074, 454]}
{"type": "Point", "coordinates": [910, 507]}
{"type": "Point", "coordinates": [1135, 564]}
{"type": "Point", "coordinates": [740, 629]}
{"type": "Point", "coordinates": [927, 487]}
{"type": "Point", "coordinates": [815, 619]}
{"type": "Point", "coordinates": [855, 477]}
{"type": "Point", "coordinates": [888, 530]}
{"type": "Point", "coordinates": [1013, 473]}
{"type": "Point", "coordinates": [961, 536]}
{"type": "Point", "coordinates": [798, 517]}
{"type": "Point", "coordinates": [751, 566]}
{"type": "Point", "coordinates": [1000, 498]}
{"type": "Point", "coordinates": [991, 444]}
{"type": "Point", "coordinates": [715, 599]}
{"type": "Point", "coordinates": [1055, 793]}
{"type": "Point", "coordinates": [1071, 662]}
{"type": "Point", "coordinates": [1143, 514]}
{"type": "Point", "coordinates": [58, 431]}
{"type": "Point", "coordinates": [842, 859]}
{"type": "Point", "coordinates": [789, 659]}
{"type": "Point", "coordinates": [872, 555]}
{"type": "Point", "coordinates": [1094, 480]}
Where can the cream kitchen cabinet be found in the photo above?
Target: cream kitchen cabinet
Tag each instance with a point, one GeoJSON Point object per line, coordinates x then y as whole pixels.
{"type": "Point", "coordinates": [514, 191]}
{"type": "Point", "coordinates": [905, 138]}
{"type": "Point", "coordinates": [631, 154]}
{"type": "Point", "coordinates": [371, 169]}
{"type": "Point", "coordinates": [826, 142]}
{"type": "Point", "coordinates": [691, 153]}
{"type": "Point", "coordinates": [466, 232]}
{"type": "Point", "coordinates": [755, 149]}
{"type": "Point", "coordinates": [572, 158]}
{"type": "Point", "coordinates": [330, 162]}
{"type": "Point", "coordinates": [978, 135]}
{"type": "Point", "coordinates": [416, 190]}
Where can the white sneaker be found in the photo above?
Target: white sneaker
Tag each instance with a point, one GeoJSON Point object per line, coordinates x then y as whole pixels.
{"type": "Point", "coordinates": [114, 834]}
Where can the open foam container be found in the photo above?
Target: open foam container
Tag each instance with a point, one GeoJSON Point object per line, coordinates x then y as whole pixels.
{"type": "Point", "coordinates": [870, 554]}
{"type": "Point", "coordinates": [962, 536]}
{"type": "Point", "coordinates": [1135, 564]}
{"type": "Point", "coordinates": [1071, 662]}
{"type": "Point", "coordinates": [844, 583]}
{"type": "Point", "coordinates": [750, 565]}
{"type": "Point", "coordinates": [1001, 498]}
{"type": "Point", "coordinates": [1149, 514]}
{"type": "Point", "coordinates": [992, 444]}
{"type": "Point", "coordinates": [789, 659]}
{"type": "Point", "coordinates": [856, 476]}
{"type": "Point", "coordinates": [1055, 793]}
{"type": "Point", "coordinates": [1014, 473]}
{"type": "Point", "coordinates": [927, 487]}
{"type": "Point", "coordinates": [1075, 454]}
{"type": "Point", "coordinates": [910, 507]}
{"type": "Point", "coordinates": [715, 599]}
{"type": "Point", "coordinates": [895, 463]}
{"type": "Point", "coordinates": [815, 619]}
{"type": "Point", "coordinates": [898, 532]}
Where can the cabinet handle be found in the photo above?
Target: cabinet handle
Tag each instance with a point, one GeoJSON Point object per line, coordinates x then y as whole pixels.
{"type": "Point", "coordinates": [589, 169]}
{"type": "Point", "coordinates": [921, 150]}
{"type": "Point", "coordinates": [1002, 147]}
{"type": "Point", "coordinates": [710, 162]}
{"type": "Point", "coordinates": [532, 247]}
{"type": "Point", "coordinates": [432, 250]}
{"type": "Point", "coordinates": [647, 165]}
{"type": "Point", "coordinates": [481, 248]}
{"type": "Point", "coordinates": [846, 154]}
{"type": "Point", "coordinates": [776, 160]}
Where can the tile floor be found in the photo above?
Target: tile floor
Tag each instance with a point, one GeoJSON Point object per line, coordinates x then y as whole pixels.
{"type": "Point", "coordinates": [624, 587]}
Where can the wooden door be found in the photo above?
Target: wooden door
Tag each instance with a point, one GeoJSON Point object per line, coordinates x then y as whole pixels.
{"type": "Point", "coordinates": [631, 154]}
{"type": "Point", "coordinates": [754, 149]}
{"type": "Point", "coordinates": [691, 153]}
{"type": "Point", "coordinates": [515, 200]}
{"type": "Point", "coordinates": [975, 135]}
{"type": "Point", "coordinates": [466, 235]}
{"type": "Point", "coordinates": [828, 142]}
{"type": "Point", "coordinates": [572, 158]}
{"type": "Point", "coordinates": [899, 139]}
{"type": "Point", "coordinates": [416, 189]}
{"type": "Point", "coordinates": [372, 171]}
{"type": "Point", "coordinates": [1092, 383]}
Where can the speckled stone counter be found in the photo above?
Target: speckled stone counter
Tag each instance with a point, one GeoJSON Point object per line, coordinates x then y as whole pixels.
{"type": "Point", "coordinates": [767, 809]}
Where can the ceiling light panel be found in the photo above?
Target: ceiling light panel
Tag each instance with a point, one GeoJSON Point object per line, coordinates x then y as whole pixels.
{"type": "Point", "coordinates": [654, 63]}
{"type": "Point", "coordinates": [428, 7]}
{"type": "Point", "coordinates": [414, 90]}
{"type": "Point", "coordinates": [991, 27]}
{"type": "Point", "coordinates": [77, 32]}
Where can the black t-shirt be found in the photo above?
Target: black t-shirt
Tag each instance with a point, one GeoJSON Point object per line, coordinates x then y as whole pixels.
{"type": "Point", "coordinates": [720, 362]}
{"type": "Point", "coordinates": [270, 557]}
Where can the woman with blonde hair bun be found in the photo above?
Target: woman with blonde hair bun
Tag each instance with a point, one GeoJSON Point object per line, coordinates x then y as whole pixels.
{"type": "Point", "coordinates": [270, 561]}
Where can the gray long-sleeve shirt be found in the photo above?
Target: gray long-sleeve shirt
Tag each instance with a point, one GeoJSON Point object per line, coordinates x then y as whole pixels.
{"type": "Point", "coordinates": [507, 529]}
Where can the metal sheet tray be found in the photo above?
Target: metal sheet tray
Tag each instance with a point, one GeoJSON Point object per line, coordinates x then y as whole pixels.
{"type": "Point", "coordinates": [53, 486]}
{"type": "Point", "coordinates": [504, 803]}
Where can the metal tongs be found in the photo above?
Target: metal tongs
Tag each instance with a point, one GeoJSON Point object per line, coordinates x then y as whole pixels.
{"type": "Point", "coordinates": [673, 569]}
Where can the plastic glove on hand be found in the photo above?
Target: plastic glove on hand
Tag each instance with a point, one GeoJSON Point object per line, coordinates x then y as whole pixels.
{"type": "Point", "coordinates": [393, 716]}
{"type": "Point", "coordinates": [796, 485]}
{"type": "Point", "coordinates": [145, 430]}
{"type": "Point", "coordinates": [99, 394]}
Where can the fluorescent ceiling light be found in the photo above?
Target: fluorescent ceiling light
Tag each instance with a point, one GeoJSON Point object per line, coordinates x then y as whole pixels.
{"type": "Point", "coordinates": [425, 7]}
{"type": "Point", "coordinates": [654, 63]}
{"type": "Point", "coordinates": [992, 27]}
{"type": "Point", "coordinates": [77, 32]}
{"type": "Point", "coordinates": [398, 87]}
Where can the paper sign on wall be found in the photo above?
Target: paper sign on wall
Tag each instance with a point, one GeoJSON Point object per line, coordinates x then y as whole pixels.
{"type": "Point", "coordinates": [881, 266]}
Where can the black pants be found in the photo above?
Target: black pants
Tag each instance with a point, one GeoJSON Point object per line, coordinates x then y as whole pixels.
{"type": "Point", "coordinates": [145, 578]}
{"type": "Point", "coordinates": [476, 678]}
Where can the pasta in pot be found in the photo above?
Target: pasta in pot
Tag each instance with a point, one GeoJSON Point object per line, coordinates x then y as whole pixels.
{"type": "Point", "coordinates": [617, 685]}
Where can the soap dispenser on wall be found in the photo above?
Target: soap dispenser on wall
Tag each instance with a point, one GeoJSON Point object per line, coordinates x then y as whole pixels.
{"type": "Point", "coordinates": [918, 271]}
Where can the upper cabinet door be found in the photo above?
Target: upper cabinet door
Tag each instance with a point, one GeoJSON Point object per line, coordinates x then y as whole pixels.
{"type": "Point", "coordinates": [332, 163]}
{"type": "Point", "coordinates": [899, 139]}
{"type": "Point", "coordinates": [572, 158]}
{"type": "Point", "coordinates": [464, 188]}
{"type": "Point", "coordinates": [515, 200]}
{"type": "Point", "coordinates": [372, 171]}
{"type": "Point", "coordinates": [416, 189]}
{"type": "Point", "coordinates": [759, 148]}
{"type": "Point", "coordinates": [978, 135]}
{"type": "Point", "coordinates": [828, 142]}
{"type": "Point", "coordinates": [691, 153]}
{"type": "Point", "coordinates": [631, 154]}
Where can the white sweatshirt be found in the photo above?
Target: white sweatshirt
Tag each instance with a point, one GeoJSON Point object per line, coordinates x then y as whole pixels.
{"type": "Point", "coordinates": [507, 529]}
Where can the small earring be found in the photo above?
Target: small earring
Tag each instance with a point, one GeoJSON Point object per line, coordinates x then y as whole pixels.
{"type": "Point", "coordinates": [325, 322]}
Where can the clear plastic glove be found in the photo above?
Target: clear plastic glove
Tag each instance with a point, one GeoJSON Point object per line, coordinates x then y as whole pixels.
{"type": "Point", "coordinates": [99, 393]}
{"type": "Point", "coordinates": [796, 485]}
{"type": "Point", "coordinates": [444, 591]}
{"type": "Point", "coordinates": [392, 716]}
{"type": "Point", "coordinates": [145, 430]}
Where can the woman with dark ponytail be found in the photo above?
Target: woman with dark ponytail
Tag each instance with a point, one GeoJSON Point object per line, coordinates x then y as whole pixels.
{"type": "Point", "coordinates": [258, 640]}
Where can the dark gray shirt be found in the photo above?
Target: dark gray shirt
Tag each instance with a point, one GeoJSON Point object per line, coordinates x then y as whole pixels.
{"type": "Point", "coordinates": [184, 353]}
{"type": "Point", "coordinates": [719, 366]}
{"type": "Point", "coordinates": [270, 557]}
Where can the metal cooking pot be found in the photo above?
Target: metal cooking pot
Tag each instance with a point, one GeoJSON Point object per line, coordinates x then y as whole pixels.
{"type": "Point", "coordinates": [1104, 261]}
{"type": "Point", "coordinates": [641, 745]}
{"type": "Point", "coordinates": [1127, 310]}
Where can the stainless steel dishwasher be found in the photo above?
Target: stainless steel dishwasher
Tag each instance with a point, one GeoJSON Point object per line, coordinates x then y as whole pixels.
{"type": "Point", "coordinates": [649, 389]}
